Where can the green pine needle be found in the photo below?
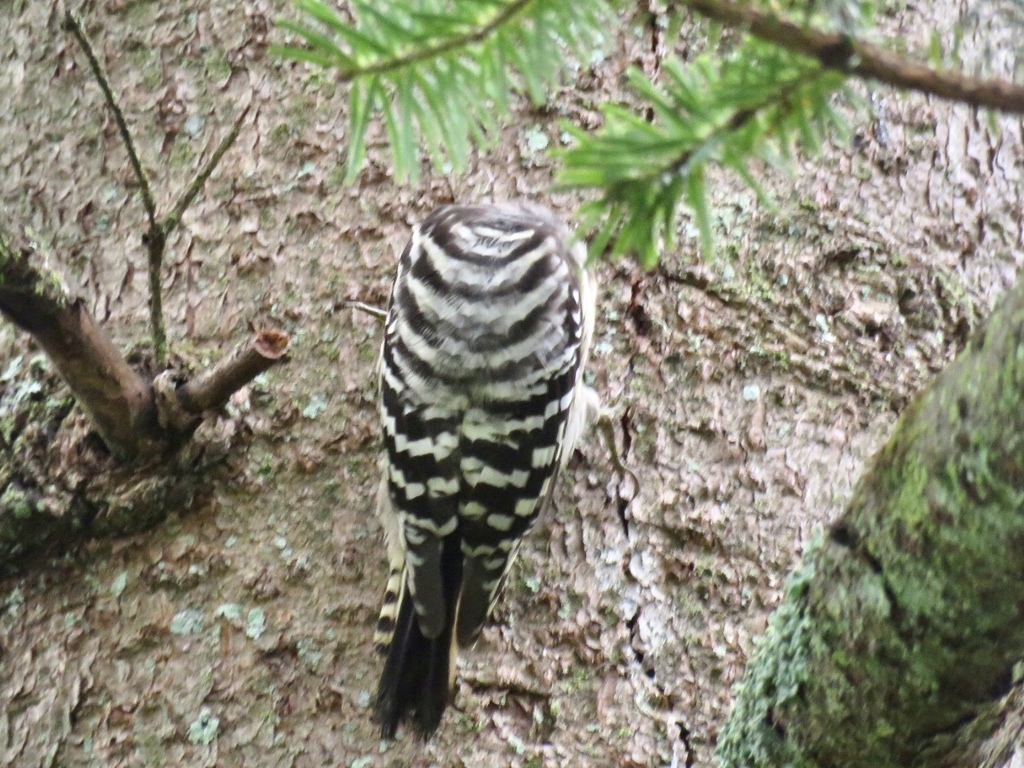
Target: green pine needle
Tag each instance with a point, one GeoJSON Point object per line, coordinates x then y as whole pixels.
{"type": "Point", "coordinates": [445, 73]}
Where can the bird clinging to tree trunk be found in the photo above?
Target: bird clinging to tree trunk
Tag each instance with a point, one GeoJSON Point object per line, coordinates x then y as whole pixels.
{"type": "Point", "coordinates": [482, 402]}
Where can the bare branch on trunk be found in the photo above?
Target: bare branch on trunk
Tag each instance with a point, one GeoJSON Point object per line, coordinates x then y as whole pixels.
{"type": "Point", "coordinates": [134, 417]}
{"type": "Point", "coordinates": [212, 389]}
{"type": "Point", "coordinates": [155, 238]}
{"type": "Point", "coordinates": [117, 399]}
{"type": "Point", "coordinates": [56, 487]}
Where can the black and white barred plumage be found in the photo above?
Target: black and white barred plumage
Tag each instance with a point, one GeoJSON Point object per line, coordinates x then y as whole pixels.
{"type": "Point", "coordinates": [482, 401]}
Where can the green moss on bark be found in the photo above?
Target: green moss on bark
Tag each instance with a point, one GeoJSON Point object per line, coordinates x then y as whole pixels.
{"type": "Point", "coordinates": [903, 623]}
{"type": "Point", "coordinates": [59, 486]}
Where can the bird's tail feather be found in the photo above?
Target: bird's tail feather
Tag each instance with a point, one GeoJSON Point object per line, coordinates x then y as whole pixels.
{"type": "Point", "coordinates": [388, 620]}
{"type": "Point", "coordinates": [418, 672]}
{"type": "Point", "coordinates": [480, 592]}
{"type": "Point", "coordinates": [395, 588]}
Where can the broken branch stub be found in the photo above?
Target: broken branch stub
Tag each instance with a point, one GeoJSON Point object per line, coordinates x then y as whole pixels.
{"type": "Point", "coordinates": [135, 418]}
{"type": "Point", "coordinates": [212, 389]}
{"type": "Point", "coordinates": [34, 297]}
{"type": "Point", "coordinates": [182, 407]}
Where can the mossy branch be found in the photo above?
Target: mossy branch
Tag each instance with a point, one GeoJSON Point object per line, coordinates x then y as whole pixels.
{"type": "Point", "coordinates": [904, 623]}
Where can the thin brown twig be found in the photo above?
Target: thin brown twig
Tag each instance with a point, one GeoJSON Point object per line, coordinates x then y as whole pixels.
{"type": "Point", "coordinates": [155, 241]}
{"type": "Point", "coordinates": [372, 311]}
{"type": "Point", "coordinates": [172, 219]}
{"type": "Point", "coordinates": [845, 54]}
{"type": "Point", "coordinates": [156, 238]}
{"type": "Point", "coordinates": [72, 24]}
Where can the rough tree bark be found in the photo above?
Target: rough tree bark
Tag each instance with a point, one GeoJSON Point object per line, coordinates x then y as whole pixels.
{"type": "Point", "coordinates": [902, 626]}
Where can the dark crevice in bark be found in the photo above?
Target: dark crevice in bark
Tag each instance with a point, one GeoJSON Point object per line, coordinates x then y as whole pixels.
{"type": "Point", "coordinates": [684, 737]}
{"type": "Point", "coordinates": [621, 505]}
{"type": "Point", "coordinates": [633, 622]}
{"type": "Point", "coordinates": [664, 697]}
{"type": "Point", "coordinates": [845, 536]}
{"type": "Point", "coordinates": [620, 500]}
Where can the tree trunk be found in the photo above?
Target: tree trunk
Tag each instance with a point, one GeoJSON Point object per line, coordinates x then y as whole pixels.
{"type": "Point", "coordinates": [903, 623]}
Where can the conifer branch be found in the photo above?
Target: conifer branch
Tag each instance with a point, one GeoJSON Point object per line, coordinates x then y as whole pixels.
{"type": "Point", "coordinates": [437, 50]}
{"type": "Point", "coordinates": [845, 54]}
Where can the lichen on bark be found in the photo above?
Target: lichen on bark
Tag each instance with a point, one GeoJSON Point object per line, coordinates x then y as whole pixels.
{"type": "Point", "coordinates": [59, 484]}
{"type": "Point", "coordinates": [15, 271]}
{"type": "Point", "coordinates": [904, 621]}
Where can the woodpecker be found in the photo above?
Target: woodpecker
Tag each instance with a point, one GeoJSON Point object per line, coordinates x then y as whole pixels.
{"type": "Point", "coordinates": [481, 401]}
